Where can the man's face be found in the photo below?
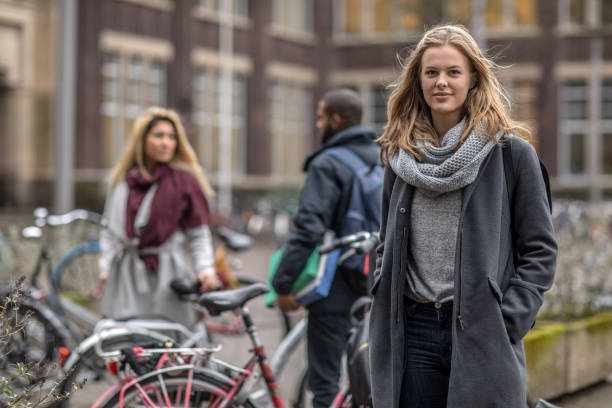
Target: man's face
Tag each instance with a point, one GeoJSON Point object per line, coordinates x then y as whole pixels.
{"type": "Point", "coordinates": [324, 125]}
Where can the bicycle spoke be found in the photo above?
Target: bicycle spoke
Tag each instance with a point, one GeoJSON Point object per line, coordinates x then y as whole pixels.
{"type": "Point", "coordinates": [188, 390]}
{"type": "Point", "coordinates": [144, 397]}
{"type": "Point", "coordinates": [162, 383]}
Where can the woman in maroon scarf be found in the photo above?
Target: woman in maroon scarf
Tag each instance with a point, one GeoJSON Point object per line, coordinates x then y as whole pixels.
{"type": "Point", "coordinates": [156, 207]}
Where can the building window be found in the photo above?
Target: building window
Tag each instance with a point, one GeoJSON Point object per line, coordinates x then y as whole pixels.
{"type": "Point", "coordinates": [206, 88]}
{"type": "Point", "coordinates": [574, 125]}
{"type": "Point", "coordinates": [130, 84]}
{"type": "Point", "coordinates": [290, 124]}
{"type": "Point", "coordinates": [379, 108]}
{"type": "Point", "coordinates": [576, 153]}
{"type": "Point", "coordinates": [574, 99]}
{"type": "Point", "coordinates": [293, 16]}
{"type": "Point", "coordinates": [500, 13]}
{"type": "Point", "coordinates": [372, 17]}
{"type": "Point", "coordinates": [606, 12]}
{"type": "Point", "coordinates": [606, 153]}
{"type": "Point", "coordinates": [524, 101]}
{"type": "Point", "coordinates": [606, 99]}
{"type": "Point", "coordinates": [240, 8]}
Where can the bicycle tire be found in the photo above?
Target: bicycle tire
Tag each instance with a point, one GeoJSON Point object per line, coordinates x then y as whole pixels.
{"type": "Point", "coordinates": [90, 367]}
{"type": "Point", "coordinates": [302, 396]}
{"type": "Point", "coordinates": [203, 387]}
{"type": "Point", "coordinates": [76, 274]}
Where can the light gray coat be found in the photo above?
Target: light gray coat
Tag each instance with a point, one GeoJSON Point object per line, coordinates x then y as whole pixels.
{"type": "Point", "coordinates": [496, 299]}
{"type": "Point", "coordinates": [130, 289]}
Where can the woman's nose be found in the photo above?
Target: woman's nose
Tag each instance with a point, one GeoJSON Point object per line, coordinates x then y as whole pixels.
{"type": "Point", "coordinates": [441, 82]}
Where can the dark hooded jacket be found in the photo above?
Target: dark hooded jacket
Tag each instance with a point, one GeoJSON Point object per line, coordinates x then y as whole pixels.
{"type": "Point", "coordinates": [323, 202]}
{"type": "Point", "coordinates": [499, 283]}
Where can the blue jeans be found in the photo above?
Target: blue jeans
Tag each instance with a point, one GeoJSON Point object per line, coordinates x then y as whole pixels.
{"type": "Point", "coordinates": [427, 354]}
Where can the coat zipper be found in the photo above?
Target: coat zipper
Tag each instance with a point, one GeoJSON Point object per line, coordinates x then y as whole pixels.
{"type": "Point", "coordinates": [459, 316]}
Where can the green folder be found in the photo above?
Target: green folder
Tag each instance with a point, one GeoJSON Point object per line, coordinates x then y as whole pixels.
{"type": "Point", "coordinates": [308, 274]}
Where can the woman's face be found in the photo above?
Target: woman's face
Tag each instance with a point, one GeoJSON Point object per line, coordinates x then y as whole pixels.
{"type": "Point", "coordinates": [160, 144]}
{"type": "Point", "coordinates": [446, 77]}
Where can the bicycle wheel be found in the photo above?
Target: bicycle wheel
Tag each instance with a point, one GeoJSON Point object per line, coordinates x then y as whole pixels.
{"type": "Point", "coordinates": [76, 276]}
{"type": "Point", "coordinates": [91, 370]}
{"type": "Point", "coordinates": [174, 389]}
{"type": "Point", "coordinates": [302, 396]}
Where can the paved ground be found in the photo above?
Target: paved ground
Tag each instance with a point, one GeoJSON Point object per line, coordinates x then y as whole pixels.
{"type": "Point", "coordinates": [598, 396]}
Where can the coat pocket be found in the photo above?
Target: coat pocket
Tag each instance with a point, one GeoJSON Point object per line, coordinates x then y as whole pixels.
{"type": "Point", "coordinates": [496, 290]}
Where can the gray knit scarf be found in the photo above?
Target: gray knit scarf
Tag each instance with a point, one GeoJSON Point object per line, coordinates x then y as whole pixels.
{"type": "Point", "coordinates": [443, 168]}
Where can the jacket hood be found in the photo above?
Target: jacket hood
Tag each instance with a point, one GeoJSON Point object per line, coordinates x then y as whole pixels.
{"type": "Point", "coordinates": [353, 134]}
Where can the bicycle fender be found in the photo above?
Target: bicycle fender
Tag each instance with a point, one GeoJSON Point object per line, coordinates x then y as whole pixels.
{"type": "Point", "coordinates": [89, 344]}
{"type": "Point", "coordinates": [197, 370]}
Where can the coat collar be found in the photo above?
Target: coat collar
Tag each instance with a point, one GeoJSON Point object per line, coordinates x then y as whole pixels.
{"type": "Point", "coordinates": [350, 134]}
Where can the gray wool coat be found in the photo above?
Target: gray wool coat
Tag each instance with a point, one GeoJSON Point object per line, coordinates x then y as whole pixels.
{"type": "Point", "coordinates": [496, 295]}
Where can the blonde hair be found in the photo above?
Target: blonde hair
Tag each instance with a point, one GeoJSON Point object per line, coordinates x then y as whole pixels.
{"type": "Point", "coordinates": [409, 116]}
{"type": "Point", "coordinates": [133, 153]}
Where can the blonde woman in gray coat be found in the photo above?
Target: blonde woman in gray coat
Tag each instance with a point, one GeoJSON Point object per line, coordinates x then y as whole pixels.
{"type": "Point", "coordinates": [155, 209]}
{"type": "Point", "coordinates": [464, 260]}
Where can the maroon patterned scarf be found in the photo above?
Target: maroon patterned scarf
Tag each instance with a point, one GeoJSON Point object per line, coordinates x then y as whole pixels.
{"type": "Point", "coordinates": [178, 204]}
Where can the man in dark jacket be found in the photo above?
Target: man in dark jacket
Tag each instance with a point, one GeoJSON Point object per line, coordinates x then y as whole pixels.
{"type": "Point", "coordinates": [323, 203]}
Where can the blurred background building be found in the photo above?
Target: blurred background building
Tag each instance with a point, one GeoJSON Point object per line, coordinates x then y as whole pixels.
{"type": "Point", "coordinates": [132, 54]}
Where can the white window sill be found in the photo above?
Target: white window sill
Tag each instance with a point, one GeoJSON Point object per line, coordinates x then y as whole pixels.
{"type": "Point", "coordinates": [207, 15]}
{"type": "Point", "coordinates": [165, 5]}
{"type": "Point", "coordinates": [286, 33]}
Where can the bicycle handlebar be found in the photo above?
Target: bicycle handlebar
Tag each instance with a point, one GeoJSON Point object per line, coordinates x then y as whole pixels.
{"type": "Point", "coordinates": [361, 242]}
{"type": "Point", "coordinates": [43, 218]}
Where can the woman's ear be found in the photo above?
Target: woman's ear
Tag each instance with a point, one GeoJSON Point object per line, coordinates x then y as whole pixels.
{"type": "Point", "coordinates": [474, 80]}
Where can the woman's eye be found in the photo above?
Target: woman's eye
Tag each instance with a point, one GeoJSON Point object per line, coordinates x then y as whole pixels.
{"type": "Point", "coordinates": [455, 72]}
{"type": "Point", "coordinates": [430, 72]}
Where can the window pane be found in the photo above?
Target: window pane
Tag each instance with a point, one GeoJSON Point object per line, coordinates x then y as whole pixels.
{"type": "Point", "coordinates": [524, 100]}
{"type": "Point", "coordinates": [494, 12]}
{"type": "Point", "coordinates": [461, 11]}
{"type": "Point", "coordinates": [353, 16]}
{"type": "Point", "coordinates": [382, 16]}
{"type": "Point", "coordinates": [379, 99]}
{"type": "Point", "coordinates": [576, 11]}
{"type": "Point", "coordinates": [241, 8]}
{"type": "Point", "coordinates": [606, 11]}
{"type": "Point", "coordinates": [278, 15]}
{"type": "Point", "coordinates": [606, 151]}
{"type": "Point", "coordinates": [525, 12]}
{"type": "Point", "coordinates": [110, 78]}
{"type": "Point", "coordinates": [135, 76]}
{"type": "Point", "coordinates": [576, 145]}
{"type": "Point", "coordinates": [606, 100]}
{"type": "Point", "coordinates": [573, 97]}
{"type": "Point", "coordinates": [411, 15]}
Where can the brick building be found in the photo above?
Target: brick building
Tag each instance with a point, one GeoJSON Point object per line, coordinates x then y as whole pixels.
{"type": "Point", "coordinates": [557, 59]}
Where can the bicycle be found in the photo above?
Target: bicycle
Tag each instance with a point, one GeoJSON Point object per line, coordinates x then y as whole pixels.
{"type": "Point", "coordinates": [194, 383]}
{"type": "Point", "coordinates": [218, 389]}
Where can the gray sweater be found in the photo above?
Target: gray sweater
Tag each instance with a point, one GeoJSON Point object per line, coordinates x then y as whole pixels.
{"type": "Point", "coordinates": [433, 238]}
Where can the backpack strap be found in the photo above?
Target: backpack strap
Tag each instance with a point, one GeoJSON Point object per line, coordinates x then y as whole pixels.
{"type": "Point", "coordinates": [346, 156]}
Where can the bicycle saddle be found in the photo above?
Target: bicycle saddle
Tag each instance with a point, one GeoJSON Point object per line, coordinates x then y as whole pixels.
{"type": "Point", "coordinates": [217, 302]}
{"type": "Point", "coordinates": [233, 239]}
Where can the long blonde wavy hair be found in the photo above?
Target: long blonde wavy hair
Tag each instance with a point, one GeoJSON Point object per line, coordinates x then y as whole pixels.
{"type": "Point", "coordinates": [409, 116]}
{"type": "Point", "coordinates": [133, 153]}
